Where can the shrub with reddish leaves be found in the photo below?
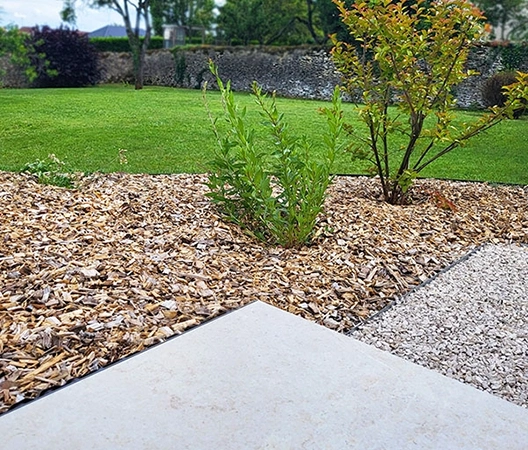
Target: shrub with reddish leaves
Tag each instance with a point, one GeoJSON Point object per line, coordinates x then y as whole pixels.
{"type": "Point", "coordinates": [63, 58]}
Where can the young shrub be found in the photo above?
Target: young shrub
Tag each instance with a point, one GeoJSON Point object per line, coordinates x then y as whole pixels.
{"type": "Point", "coordinates": [411, 54]}
{"type": "Point", "coordinates": [63, 58]}
{"type": "Point", "coordinates": [492, 89]}
{"type": "Point", "coordinates": [274, 195]}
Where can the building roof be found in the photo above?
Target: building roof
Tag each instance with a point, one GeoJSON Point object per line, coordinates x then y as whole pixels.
{"type": "Point", "coordinates": [112, 31]}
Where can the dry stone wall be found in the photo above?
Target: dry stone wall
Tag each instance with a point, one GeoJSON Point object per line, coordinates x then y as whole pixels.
{"type": "Point", "coordinates": [296, 72]}
{"type": "Point", "coordinates": [292, 73]}
{"type": "Point", "coordinates": [303, 73]}
{"type": "Point", "coordinates": [486, 61]}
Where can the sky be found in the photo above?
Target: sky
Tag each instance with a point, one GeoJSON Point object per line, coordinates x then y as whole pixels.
{"type": "Point", "coordinates": [28, 13]}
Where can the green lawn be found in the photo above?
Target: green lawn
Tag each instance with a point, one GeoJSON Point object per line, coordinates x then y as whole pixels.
{"type": "Point", "coordinates": [166, 130]}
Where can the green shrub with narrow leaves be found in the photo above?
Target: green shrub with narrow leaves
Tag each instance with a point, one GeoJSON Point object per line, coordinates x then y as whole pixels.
{"type": "Point", "coordinates": [274, 195]}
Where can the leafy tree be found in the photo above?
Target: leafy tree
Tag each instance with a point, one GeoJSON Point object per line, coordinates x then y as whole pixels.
{"type": "Point", "coordinates": [135, 14]}
{"type": "Point", "coordinates": [264, 21]}
{"type": "Point", "coordinates": [509, 16]}
{"type": "Point", "coordinates": [14, 45]}
{"type": "Point", "coordinates": [268, 21]}
{"type": "Point", "coordinates": [242, 20]}
{"type": "Point", "coordinates": [411, 57]}
{"type": "Point", "coordinates": [329, 17]}
{"type": "Point", "coordinates": [63, 58]}
{"type": "Point", "coordinates": [186, 13]}
{"type": "Point", "coordinates": [321, 18]}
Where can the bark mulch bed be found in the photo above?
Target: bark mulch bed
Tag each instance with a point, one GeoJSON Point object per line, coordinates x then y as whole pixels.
{"type": "Point", "coordinates": [92, 275]}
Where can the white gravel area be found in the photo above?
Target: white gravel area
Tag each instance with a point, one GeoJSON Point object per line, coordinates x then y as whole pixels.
{"type": "Point", "coordinates": [469, 323]}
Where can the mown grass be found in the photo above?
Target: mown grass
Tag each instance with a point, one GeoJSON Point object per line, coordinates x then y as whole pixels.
{"type": "Point", "coordinates": [165, 130]}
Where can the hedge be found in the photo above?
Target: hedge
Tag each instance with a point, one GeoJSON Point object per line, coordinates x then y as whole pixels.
{"type": "Point", "coordinates": [120, 44]}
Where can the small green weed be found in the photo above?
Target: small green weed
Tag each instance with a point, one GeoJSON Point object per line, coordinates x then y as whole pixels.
{"type": "Point", "coordinates": [52, 171]}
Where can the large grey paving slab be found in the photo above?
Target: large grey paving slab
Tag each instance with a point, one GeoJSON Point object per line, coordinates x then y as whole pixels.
{"type": "Point", "coordinates": [260, 378]}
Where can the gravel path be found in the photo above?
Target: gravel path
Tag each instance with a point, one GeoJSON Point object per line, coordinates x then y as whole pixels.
{"type": "Point", "coordinates": [469, 323]}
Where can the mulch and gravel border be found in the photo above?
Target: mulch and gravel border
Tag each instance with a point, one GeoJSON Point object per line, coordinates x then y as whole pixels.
{"type": "Point", "coordinates": [92, 275]}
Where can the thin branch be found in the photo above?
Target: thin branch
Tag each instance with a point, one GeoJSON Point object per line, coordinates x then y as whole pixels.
{"type": "Point", "coordinates": [424, 153]}
{"type": "Point", "coordinates": [494, 121]}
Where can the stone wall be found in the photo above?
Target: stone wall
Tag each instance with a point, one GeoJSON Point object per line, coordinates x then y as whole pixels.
{"type": "Point", "coordinates": [11, 76]}
{"type": "Point", "coordinates": [294, 73]}
{"type": "Point", "coordinates": [297, 72]}
{"type": "Point", "coordinates": [304, 73]}
{"type": "Point", "coordinates": [117, 67]}
{"type": "Point", "coordinates": [487, 62]}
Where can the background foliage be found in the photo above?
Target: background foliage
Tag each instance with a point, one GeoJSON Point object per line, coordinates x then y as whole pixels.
{"type": "Point", "coordinates": [514, 55]}
{"type": "Point", "coordinates": [135, 14]}
{"type": "Point", "coordinates": [263, 22]}
{"type": "Point", "coordinates": [508, 17]}
{"type": "Point", "coordinates": [62, 58]}
{"type": "Point", "coordinates": [192, 14]}
{"type": "Point", "coordinates": [15, 47]}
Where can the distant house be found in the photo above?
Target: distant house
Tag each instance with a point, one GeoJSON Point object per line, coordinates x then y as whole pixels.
{"type": "Point", "coordinates": [112, 31]}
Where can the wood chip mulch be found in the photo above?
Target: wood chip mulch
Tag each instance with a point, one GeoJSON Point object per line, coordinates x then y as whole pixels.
{"type": "Point", "coordinates": [92, 275]}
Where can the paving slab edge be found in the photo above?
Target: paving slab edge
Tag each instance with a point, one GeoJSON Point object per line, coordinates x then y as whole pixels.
{"type": "Point", "coordinates": [349, 333]}
{"type": "Point", "coordinates": [73, 381]}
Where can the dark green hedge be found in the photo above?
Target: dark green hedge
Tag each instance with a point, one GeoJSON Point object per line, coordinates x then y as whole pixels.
{"type": "Point", "coordinates": [117, 44]}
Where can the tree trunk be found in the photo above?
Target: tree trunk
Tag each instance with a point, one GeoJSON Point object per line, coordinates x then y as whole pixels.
{"type": "Point", "coordinates": [138, 48]}
{"type": "Point", "coordinates": [137, 45]}
{"type": "Point", "coordinates": [397, 196]}
{"type": "Point", "coordinates": [139, 66]}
